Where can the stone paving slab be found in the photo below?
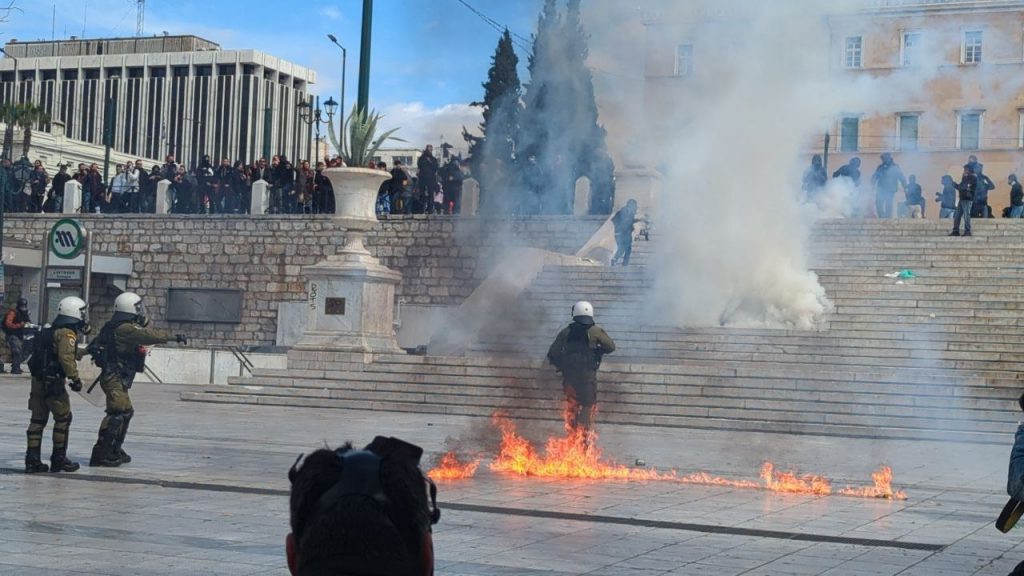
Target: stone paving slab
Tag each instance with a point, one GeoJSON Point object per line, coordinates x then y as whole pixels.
{"type": "Point", "coordinates": [206, 494]}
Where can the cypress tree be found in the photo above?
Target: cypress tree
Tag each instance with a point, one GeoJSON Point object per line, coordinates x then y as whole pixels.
{"type": "Point", "coordinates": [561, 139]}
{"type": "Point", "coordinates": [492, 155]}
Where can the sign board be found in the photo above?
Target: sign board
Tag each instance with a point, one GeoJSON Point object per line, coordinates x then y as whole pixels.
{"type": "Point", "coordinates": [67, 239]}
{"type": "Point", "coordinates": [204, 305]}
{"type": "Point", "coordinates": [334, 306]}
{"type": "Point", "coordinates": [64, 275]}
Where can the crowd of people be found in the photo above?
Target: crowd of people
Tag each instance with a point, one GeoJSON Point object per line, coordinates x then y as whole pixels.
{"type": "Point", "coordinates": [226, 187]}
{"type": "Point", "coordinates": [963, 199]}
{"type": "Point", "coordinates": [435, 189]}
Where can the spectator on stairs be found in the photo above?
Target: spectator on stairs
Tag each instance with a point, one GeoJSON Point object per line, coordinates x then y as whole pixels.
{"type": "Point", "coordinates": [887, 179]}
{"type": "Point", "coordinates": [1016, 197]}
{"type": "Point", "coordinates": [947, 197]}
{"type": "Point", "coordinates": [915, 198]}
{"type": "Point", "coordinates": [980, 208]}
{"type": "Point", "coordinates": [624, 220]}
{"type": "Point", "coordinates": [967, 187]}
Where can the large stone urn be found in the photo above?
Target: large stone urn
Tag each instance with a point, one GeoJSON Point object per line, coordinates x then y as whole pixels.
{"type": "Point", "coordinates": [351, 295]}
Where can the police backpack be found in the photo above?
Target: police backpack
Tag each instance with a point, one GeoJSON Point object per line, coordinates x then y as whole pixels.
{"type": "Point", "coordinates": [42, 353]}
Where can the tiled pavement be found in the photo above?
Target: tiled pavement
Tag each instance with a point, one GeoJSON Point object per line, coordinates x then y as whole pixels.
{"type": "Point", "coordinates": [206, 495]}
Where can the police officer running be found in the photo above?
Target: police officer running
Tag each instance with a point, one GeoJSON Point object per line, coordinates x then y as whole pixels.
{"type": "Point", "coordinates": [16, 321]}
{"type": "Point", "coordinates": [576, 353]}
{"type": "Point", "coordinates": [119, 352]}
{"type": "Point", "coordinates": [54, 360]}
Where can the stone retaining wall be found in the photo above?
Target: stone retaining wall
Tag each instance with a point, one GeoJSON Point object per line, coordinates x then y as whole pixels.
{"type": "Point", "coordinates": [441, 259]}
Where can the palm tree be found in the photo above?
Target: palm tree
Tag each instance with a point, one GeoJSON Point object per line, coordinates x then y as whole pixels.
{"type": "Point", "coordinates": [29, 115]}
{"type": "Point", "coordinates": [9, 116]}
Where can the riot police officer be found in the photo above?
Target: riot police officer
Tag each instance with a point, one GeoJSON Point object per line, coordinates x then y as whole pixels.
{"type": "Point", "coordinates": [54, 361]}
{"type": "Point", "coordinates": [118, 352]}
{"type": "Point", "coordinates": [576, 353]}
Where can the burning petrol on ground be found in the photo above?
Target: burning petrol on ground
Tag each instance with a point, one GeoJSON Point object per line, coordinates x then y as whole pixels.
{"type": "Point", "coordinates": [576, 455]}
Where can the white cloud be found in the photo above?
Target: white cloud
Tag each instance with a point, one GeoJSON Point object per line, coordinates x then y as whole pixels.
{"type": "Point", "coordinates": [420, 125]}
{"type": "Point", "coordinates": [331, 12]}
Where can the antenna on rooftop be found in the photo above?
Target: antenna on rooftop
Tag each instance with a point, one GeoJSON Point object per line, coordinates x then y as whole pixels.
{"type": "Point", "coordinates": [140, 17]}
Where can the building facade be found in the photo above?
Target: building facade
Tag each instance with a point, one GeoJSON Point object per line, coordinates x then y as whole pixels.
{"type": "Point", "coordinates": [178, 95]}
{"type": "Point", "coordinates": [949, 75]}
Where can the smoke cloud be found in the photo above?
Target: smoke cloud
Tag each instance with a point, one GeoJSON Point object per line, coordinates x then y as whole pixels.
{"type": "Point", "coordinates": [731, 138]}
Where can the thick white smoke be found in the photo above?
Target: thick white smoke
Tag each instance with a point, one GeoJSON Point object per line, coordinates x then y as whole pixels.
{"type": "Point", "coordinates": [730, 224]}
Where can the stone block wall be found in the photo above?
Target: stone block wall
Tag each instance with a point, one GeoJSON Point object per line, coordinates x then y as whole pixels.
{"type": "Point", "coordinates": [441, 259]}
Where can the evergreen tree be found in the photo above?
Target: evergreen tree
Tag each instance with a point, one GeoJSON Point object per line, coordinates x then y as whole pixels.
{"type": "Point", "coordinates": [591, 151]}
{"type": "Point", "coordinates": [492, 155]}
{"type": "Point", "coordinates": [561, 139]}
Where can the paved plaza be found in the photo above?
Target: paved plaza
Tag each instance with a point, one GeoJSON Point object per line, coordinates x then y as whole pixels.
{"type": "Point", "coordinates": [206, 494]}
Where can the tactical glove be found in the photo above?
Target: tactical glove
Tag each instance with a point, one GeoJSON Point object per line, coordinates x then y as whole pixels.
{"type": "Point", "coordinates": [143, 321]}
{"type": "Point", "coordinates": [75, 385]}
{"type": "Point", "coordinates": [86, 328]}
{"type": "Point", "coordinates": [181, 339]}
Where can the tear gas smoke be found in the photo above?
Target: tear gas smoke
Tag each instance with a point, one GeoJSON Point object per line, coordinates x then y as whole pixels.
{"type": "Point", "coordinates": [732, 230]}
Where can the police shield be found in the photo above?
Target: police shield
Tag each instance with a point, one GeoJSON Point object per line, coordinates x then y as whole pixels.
{"type": "Point", "coordinates": [93, 394]}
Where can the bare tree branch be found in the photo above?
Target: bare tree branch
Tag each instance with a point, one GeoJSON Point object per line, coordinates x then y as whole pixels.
{"type": "Point", "coordinates": [5, 11]}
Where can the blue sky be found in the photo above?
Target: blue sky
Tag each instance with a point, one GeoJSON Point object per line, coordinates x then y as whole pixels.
{"type": "Point", "coordinates": [429, 56]}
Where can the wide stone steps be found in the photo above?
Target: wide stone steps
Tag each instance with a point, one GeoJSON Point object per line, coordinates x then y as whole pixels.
{"type": "Point", "coordinates": [937, 356]}
{"type": "Point", "coordinates": [775, 404]}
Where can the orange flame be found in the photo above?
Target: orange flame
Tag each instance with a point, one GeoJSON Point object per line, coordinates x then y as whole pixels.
{"type": "Point", "coordinates": [882, 488]}
{"type": "Point", "coordinates": [450, 468]}
{"type": "Point", "coordinates": [576, 456]}
{"type": "Point", "coordinates": [792, 483]}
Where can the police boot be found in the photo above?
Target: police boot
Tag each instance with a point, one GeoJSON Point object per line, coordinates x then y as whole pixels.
{"type": "Point", "coordinates": [104, 453]}
{"type": "Point", "coordinates": [33, 463]}
{"type": "Point", "coordinates": [59, 462]}
{"type": "Point", "coordinates": [119, 451]}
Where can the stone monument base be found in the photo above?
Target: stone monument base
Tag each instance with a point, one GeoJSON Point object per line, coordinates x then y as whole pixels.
{"type": "Point", "coordinates": [351, 307]}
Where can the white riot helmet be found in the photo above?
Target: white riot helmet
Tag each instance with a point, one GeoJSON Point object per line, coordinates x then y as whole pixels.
{"type": "Point", "coordinates": [583, 309]}
{"type": "Point", "coordinates": [72, 307]}
{"type": "Point", "coordinates": [129, 303]}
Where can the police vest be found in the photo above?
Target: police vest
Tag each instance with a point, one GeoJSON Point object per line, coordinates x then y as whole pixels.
{"type": "Point", "coordinates": [577, 355]}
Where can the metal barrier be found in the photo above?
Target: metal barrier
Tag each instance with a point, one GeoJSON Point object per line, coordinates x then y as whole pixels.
{"type": "Point", "coordinates": [244, 363]}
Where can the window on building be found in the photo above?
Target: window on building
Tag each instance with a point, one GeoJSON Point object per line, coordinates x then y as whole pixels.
{"type": "Point", "coordinates": [226, 70]}
{"type": "Point", "coordinates": [849, 134]}
{"type": "Point", "coordinates": [49, 75]}
{"type": "Point", "coordinates": [204, 70]}
{"type": "Point", "coordinates": [1020, 129]}
{"type": "Point", "coordinates": [136, 72]}
{"type": "Point", "coordinates": [69, 74]}
{"type": "Point", "coordinates": [28, 76]}
{"type": "Point", "coordinates": [911, 48]}
{"type": "Point", "coordinates": [179, 71]}
{"type": "Point", "coordinates": [908, 131]}
{"type": "Point", "coordinates": [854, 52]}
{"type": "Point", "coordinates": [972, 47]}
{"type": "Point", "coordinates": [158, 72]}
{"type": "Point", "coordinates": [684, 60]}
{"type": "Point", "coordinates": [248, 69]}
{"type": "Point", "coordinates": [969, 131]}
{"type": "Point", "coordinates": [7, 77]}
{"type": "Point", "coordinates": [92, 73]}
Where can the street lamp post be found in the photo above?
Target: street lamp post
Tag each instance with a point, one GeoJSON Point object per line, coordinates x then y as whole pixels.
{"type": "Point", "coordinates": [108, 127]}
{"type": "Point", "coordinates": [330, 112]}
{"type": "Point", "coordinates": [314, 117]}
{"type": "Point", "coordinates": [363, 103]}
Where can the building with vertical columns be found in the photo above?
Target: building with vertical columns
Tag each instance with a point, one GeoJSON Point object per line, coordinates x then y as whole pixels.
{"type": "Point", "coordinates": [180, 95]}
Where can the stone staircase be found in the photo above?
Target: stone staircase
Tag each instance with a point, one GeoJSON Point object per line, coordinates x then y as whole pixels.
{"type": "Point", "coordinates": [935, 357]}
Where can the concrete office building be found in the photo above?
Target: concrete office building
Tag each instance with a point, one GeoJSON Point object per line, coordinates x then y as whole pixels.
{"type": "Point", "coordinates": [181, 95]}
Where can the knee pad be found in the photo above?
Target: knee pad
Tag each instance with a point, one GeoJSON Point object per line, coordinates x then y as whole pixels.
{"type": "Point", "coordinates": [62, 422]}
{"type": "Point", "coordinates": [36, 425]}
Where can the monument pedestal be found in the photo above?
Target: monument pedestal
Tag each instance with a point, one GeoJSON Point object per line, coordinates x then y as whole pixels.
{"type": "Point", "coordinates": [351, 308]}
{"type": "Point", "coordinates": [351, 295]}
